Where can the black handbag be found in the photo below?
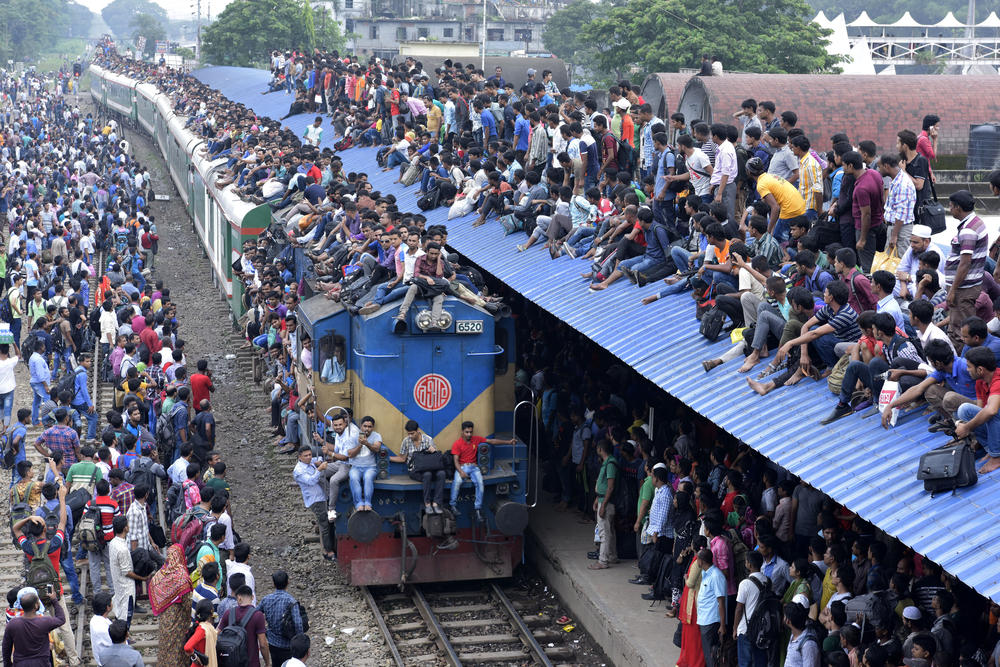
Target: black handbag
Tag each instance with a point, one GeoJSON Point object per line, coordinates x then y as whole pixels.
{"type": "Point", "coordinates": [711, 324]}
{"type": "Point", "coordinates": [423, 461]}
{"type": "Point", "coordinates": [948, 467]}
{"type": "Point", "coordinates": [932, 213]}
{"type": "Point", "coordinates": [430, 290]}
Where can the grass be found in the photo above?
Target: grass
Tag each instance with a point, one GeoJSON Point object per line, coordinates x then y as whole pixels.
{"type": "Point", "coordinates": [51, 61]}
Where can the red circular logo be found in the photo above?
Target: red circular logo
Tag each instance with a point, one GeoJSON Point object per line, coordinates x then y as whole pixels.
{"type": "Point", "coordinates": [432, 392]}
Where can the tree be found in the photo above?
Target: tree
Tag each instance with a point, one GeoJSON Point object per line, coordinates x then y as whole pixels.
{"type": "Point", "coordinates": [245, 31]}
{"type": "Point", "coordinates": [185, 53]}
{"type": "Point", "coordinates": [119, 13]}
{"type": "Point", "coordinates": [147, 25]}
{"type": "Point", "coordinates": [666, 35]}
{"type": "Point", "coordinates": [30, 27]}
{"type": "Point", "coordinates": [562, 30]}
{"type": "Point", "coordinates": [328, 35]}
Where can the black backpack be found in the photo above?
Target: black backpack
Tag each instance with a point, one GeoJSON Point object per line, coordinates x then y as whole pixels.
{"type": "Point", "coordinates": [680, 167]}
{"type": "Point", "coordinates": [231, 645]}
{"type": "Point", "coordinates": [51, 517]}
{"type": "Point", "coordinates": [95, 320]}
{"type": "Point", "coordinates": [29, 346]}
{"type": "Point", "coordinates": [142, 563]}
{"type": "Point", "coordinates": [8, 449]}
{"type": "Point", "coordinates": [141, 472]}
{"type": "Point", "coordinates": [626, 156]}
{"type": "Point", "coordinates": [78, 498]}
{"type": "Point", "coordinates": [711, 324]}
{"type": "Point", "coordinates": [68, 383]}
{"type": "Point", "coordinates": [6, 312]}
{"type": "Point", "coordinates": [764, 625]}
{"type": "Point", "coordinates": [175, 502]}
{"type": "Point", "coordinates": [430, 200]}
{"type": "Point", "coordinates": [288, 620]}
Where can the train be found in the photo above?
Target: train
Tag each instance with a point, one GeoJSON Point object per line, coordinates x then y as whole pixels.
{"type": "Point", "coordinates": [438, 376]}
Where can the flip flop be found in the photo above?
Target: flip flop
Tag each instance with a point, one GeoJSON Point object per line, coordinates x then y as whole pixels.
{"type": "Point", "coordinates": [564, 620]}
{"type": "Point", "coordinates": [598, 566]}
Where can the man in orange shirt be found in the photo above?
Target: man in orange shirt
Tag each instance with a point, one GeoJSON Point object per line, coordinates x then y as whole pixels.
{"type": "Point", "coordinates": [465, 450]}
{"type": "Point", "coordinates": [201, 384]}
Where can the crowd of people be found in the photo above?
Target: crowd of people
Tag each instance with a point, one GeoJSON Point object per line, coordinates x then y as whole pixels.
{"type": "Point", "coordinates": [72, 193]}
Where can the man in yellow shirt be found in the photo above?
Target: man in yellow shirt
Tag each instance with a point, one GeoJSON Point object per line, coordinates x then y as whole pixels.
{"type": "Point", "coordinates": [782, 197]}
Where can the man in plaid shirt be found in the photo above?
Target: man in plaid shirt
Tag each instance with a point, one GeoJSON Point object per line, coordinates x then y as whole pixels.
{"type": "Point", "coordinates": [899, 205]}
{"type": "Point", "coordinates": [418, 441]}
{"type": "Point", "coordinates": [121, 491]}
{"type": "Point", "coordinates": [273, 607]}
{"type": "Point", "coordinates": [60, 438]}
{"type": "Point", "coordinates": [810, 177]}
{"type": "Point", "coordinates": [138, 524]}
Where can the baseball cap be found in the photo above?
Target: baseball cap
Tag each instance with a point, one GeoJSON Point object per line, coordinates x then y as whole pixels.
{"type": "Point", "coordinates": [531, 72]}
{"type": "Point", "coordinates": [622, 103]}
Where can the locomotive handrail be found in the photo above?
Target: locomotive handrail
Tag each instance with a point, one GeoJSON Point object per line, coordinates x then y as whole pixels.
{"type": "Point", "coordinates": [532, 437]}
{"type": "Point", "coordinates": [496, 351]}
{"type": "Point", "coordinates": [376, 356]}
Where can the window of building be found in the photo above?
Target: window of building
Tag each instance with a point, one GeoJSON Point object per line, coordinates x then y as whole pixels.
{"type": "Point", "coordinates": [332, 359]}
{"type": "Point", "coordinates": [449, 32]}
{"type": "Point", "coordinates": [494, 34]}
{"type": "Point", "coordinates": [401, 34]}
{"type": "Point", "coordinates": [373, 32]}
{"type": "Point", "coordinates": [348, 4]}
{"type": "Point", "coordinates": [349, 25]}
{"type": "Point", "coordinates": [468, 35]}
{"type": "Point", "coordinates": [423, 32]}
{"type": "Point", "coordinates": [522, 35]}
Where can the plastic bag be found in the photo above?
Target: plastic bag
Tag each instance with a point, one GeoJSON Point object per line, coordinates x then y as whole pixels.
{"type": "Point", "coordinates": [886, 261]}
{"type": "Point", "coordinates": [890, 389]}
{"type": "Point", "coordinates": [461, 207]}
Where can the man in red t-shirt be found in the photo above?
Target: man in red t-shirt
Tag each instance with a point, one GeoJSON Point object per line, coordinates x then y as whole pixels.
{"type": "Point", "coordinates": [465, 450]}
{"type": "Point", "coordinates": [201, 385]}
{"type": "Point", "coordinates": [981, 418]}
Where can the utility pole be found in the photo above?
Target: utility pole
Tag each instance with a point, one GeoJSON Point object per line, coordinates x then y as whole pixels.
{"type": "Point", "coordinates": [199, 28]}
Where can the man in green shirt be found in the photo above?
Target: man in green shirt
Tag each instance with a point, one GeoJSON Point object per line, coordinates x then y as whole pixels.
{"type": "Point", "coordinates": [605, 507]}
{"type": "Point", "coordinates": [218, 481]}
{"type": "Point", "coordinates": [209, 552]}
{"type": "Point", "coordinates": [646, 492]}
{"type": "Point", "coordinates": [85, 472]}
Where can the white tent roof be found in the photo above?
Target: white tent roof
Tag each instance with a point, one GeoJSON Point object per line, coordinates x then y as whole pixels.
{"type": "Point", "coordinates": [863, 21]}
{"type": "Point", "coordinates": [991, 21]}
{"type": "Point", "coordinates": [949, 21]}
{"type": "Point", "coordinates": [888, 71]}
{"type": "Point", "coordinates": [839, 44]}
{"type": "Point", "coordinates": [821, 20]}
{"type": "Point", "coordinates": [861, 59]}
{"type": "Point", "coordinates": [906, 21]}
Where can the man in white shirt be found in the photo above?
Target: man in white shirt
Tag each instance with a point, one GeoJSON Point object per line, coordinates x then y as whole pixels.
{"type": "Point", "coordinates": [723, 179]}
{"type": "Point", "coordinates": [363, 464]}
{"type": "Point", "coordinates": [345, 439]}
{"type": "Point", "coordinates": [99, 624]}
{"type": "Point", "coordinates": [906, 272]}
{"type": "Point", "coordinates": [242, 566]}
{"type": "Point", "coordinates": [314, 133]}
{"type": "Point", "coordinates": [299, 648]}
{"type": "Point", "coordinates": [747, 597]}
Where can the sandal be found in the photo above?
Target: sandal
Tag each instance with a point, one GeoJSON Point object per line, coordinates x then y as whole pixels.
{"type": "Point", "coordinates": [564, 620]}
{"type": "Point", "coordinates": [598, 566]}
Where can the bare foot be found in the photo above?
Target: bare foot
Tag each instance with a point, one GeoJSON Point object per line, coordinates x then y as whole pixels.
{"type": "Point", "coordinates": [598, 287]}
{"type": "Point", "coordinates": [761, 388]}
{"type": "Point", "coordinates": [796, 377]}
{"type": "Point", "coordinates": [750, 362]}
{"type": "Point", "coordinates": [992, 463]}
{"type": "Point", "coordinates": [587, 275]}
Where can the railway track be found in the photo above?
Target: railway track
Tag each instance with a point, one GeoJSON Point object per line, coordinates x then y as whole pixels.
{"type": "Point", "coordinates": [472, 624]}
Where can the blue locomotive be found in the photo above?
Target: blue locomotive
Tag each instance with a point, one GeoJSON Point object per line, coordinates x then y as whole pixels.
{"type": "Point", "coordinates": [439, 377]}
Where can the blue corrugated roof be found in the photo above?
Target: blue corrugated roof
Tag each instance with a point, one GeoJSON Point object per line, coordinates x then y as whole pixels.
{"type": "Point", "coordinates": [870, 470]}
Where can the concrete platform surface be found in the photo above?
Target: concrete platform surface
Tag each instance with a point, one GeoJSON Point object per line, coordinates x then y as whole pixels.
{"type": "Point", "coordinates": [630, 631]}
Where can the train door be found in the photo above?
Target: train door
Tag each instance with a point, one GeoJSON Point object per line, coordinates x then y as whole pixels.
{"type": "Point", "coordinates": [447, 362]}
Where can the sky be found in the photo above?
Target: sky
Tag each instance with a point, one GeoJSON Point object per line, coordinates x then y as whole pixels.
{"type": "Point", "coordinates": [177, 10]}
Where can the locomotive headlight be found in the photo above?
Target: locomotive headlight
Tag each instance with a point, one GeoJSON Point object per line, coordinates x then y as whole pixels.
{"type": "Point", "coordinates": [444, 321]}
{"type": "Point", "coordinates": [425, 320]}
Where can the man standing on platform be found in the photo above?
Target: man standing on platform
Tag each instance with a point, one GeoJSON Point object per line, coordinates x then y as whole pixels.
{"type": "Point", "coordinates": [605, 507]}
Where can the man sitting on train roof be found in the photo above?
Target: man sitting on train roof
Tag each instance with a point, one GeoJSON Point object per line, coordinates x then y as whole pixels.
{"type": "Point", "coordinates": [418, 441]}
{"type": "Point", "coordinates": [465, 450]}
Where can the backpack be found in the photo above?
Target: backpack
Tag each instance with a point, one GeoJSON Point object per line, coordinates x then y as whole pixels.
{"type": "Point", "coordinates": [121, 240]}
{"type": "Point", "coordinates": [724, 653]}
{"type": "Point", "coordinates": [29, 344]}
{"type": "Point", "coordinates": [430, 200]}
{"type": "Point", "coordinates": [740, 551]}
{"type": "Point", "coordinates": [6, 312]}
{"type": "Point", "coordinates": [41, 573]}
{"type": "Point", "coordinates": [95, 320]}
{"type": "Point", "coordinates": [191, 555]}
{"type": "Point", "coordinates": [948, 467]}
{"type": "Point", "coordinates": [8, 450]}
{"type": "Point", "coordinates": [175, 503]}
{"type": "Point", "coordinates": [51, 517]}
{"type": "Point", "coordinates": [626, 156]}
{"type": "Point", "coordinates": [20, 510]}
{"type": "Point", "coordinates": [288, 620]}
{"type": "Point", "coordinates": [89, 532]}
{"type": "Point", "coordinates": [765, 623]}
{"type": "Point", "coordinates": [188, 528]}
{"type": "Point", "coordinates": [742, 155]}
{"type": "Point", "coordinates": [142, 563]}
{"type": "Point", "coordinates": [68, 383]}
{"type": "Point", "coordinates": [165, 436]}
{"type": "Point", "coordinates": [77, 499]}
{"type": "Point", "coordinates": [231, 645]}
{"type": "Point", "coordinates": [711, 324]}
{"type": "Point", "coordinates": [876, 607]}
{"type": "Point", "coordinates": [140, 472]}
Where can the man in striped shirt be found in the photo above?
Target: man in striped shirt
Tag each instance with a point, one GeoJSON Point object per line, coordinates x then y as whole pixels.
{"type": "Point", "coordinates": [966, 263]}
{"type": "Point", "coordinates": [810, 177]}
{"type": "Point", "coordinates": [108, 509]}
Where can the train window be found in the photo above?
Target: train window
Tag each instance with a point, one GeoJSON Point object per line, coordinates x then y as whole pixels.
{"type": "Point", "coordinates": [332, 359]}
{"type": "Point", "coordinates": [500, 363]}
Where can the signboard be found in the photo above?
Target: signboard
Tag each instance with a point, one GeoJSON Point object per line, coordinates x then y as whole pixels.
{"type": "Point", "coordinates": [161, 46]}
{"type": "Point", "coordinates": [432, 392]}
{"type": "Point", "coordinates": [140, 44]}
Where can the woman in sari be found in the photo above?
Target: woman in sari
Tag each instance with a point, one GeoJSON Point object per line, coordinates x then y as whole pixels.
{"type": "Point", "coordinates": [691, 653]}
{"type": "Point", "coordinates": [170, 600]}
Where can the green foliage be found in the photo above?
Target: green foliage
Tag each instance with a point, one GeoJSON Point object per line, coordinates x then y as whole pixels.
{"type": "Point", "coordinates": [148, 26]}
{"type": "Point", "coordinates": [328, 35]}
{"type": "Point", "coordinates": [666, 35]}
{"type": "Point", "coordinates": [245, 31]}
{"type": "Point", "coordinates": [29, 28]}
{"type": "Point", "coordinates": [118, 15]}
{"type": "Point", "coordinates": [185, 53]}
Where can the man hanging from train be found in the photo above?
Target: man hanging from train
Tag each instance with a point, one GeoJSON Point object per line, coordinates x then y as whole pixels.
{"type": "Point", "coordinates": [466, 453]}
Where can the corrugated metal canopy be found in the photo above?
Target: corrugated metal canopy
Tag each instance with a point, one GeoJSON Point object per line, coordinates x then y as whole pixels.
{"type": "Point", "coordinates": [870, 470]}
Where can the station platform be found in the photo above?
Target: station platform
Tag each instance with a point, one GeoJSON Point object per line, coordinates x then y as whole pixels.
{"type": "Point", "coordinates": [630, 631]}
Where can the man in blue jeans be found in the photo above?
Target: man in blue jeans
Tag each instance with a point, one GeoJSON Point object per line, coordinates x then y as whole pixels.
{"type": "Point", "coordinates": [363, 464]}
{"type": "Point", "coordinates": [82, 402]}
{"type": "Point", "coordinates": [465, 450]}
{"type": "Point", "coordinates": [981, 418]}
{"type": "Point", "coordinates": [40, 378]}
{"type": "Point", "coordinates": [748, 596]}
{"type": "Point", "coordinates": [835, 323]}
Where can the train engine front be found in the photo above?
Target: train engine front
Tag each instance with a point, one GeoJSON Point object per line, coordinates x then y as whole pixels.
{"type": "Point", "coordinates": [438, 377]}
